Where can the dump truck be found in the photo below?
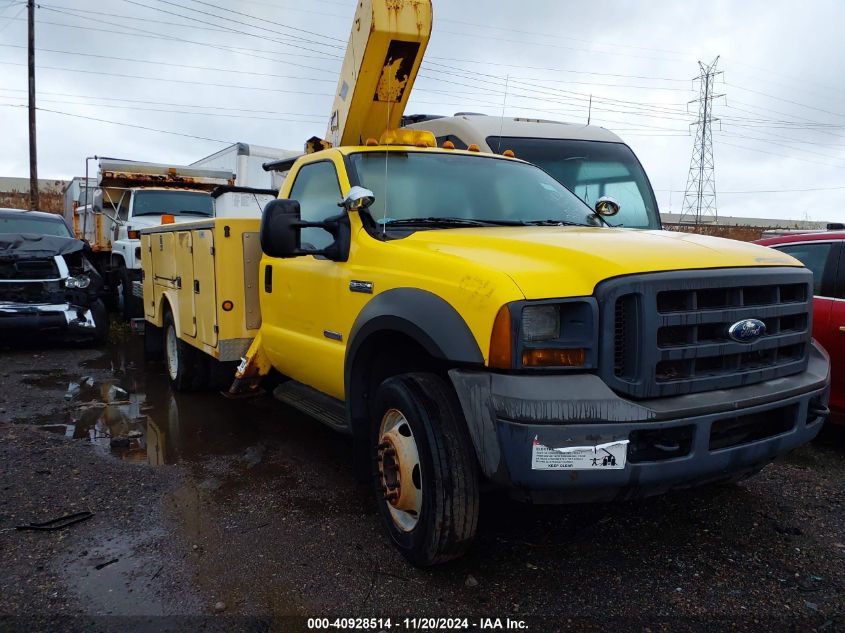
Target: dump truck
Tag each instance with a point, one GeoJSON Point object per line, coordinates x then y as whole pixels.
{"type": "Point", "coordinates": [469, 321]}
{"type": "Point", "coordinates": [128, 196]}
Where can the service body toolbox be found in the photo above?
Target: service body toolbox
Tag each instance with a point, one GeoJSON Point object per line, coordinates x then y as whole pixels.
{"type": "Point", "coordinates": [204, 276]}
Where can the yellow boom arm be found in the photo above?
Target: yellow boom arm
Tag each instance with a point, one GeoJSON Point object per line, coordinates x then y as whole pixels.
{"type": "Point", "coordinates": [385, 50]}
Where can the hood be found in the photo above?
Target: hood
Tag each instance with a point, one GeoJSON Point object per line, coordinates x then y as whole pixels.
{"type": "Point", "coordinates": [16, 246]}
{"type": "Point", "coordinates": [549, 262]}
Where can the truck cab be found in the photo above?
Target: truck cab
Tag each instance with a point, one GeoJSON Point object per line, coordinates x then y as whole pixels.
{"type": "Point", "coordinates": [590, 161]}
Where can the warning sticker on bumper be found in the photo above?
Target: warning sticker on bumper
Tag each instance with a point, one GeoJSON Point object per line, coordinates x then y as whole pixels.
{"type": "Point", "coordinates": [609, 456]}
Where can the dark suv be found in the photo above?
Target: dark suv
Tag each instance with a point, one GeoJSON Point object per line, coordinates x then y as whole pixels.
{"type": "Point", "coordinates": [47, 284]}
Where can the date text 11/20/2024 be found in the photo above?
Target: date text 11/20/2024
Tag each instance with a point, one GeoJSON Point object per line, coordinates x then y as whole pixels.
{"type": "Point", "coordinates": [416, 624]}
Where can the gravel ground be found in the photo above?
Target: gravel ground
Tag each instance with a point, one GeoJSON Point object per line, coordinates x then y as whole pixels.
{"type": "Point", "coordinates": [239, 514]}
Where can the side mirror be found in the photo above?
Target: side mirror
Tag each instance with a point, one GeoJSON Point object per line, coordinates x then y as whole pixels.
{"type": "Point", "coordinates": [280, 228]}
{"type": "Point", "coordinates": [358, 199]}
{"type": "Point", "coordinates": [607, 206]}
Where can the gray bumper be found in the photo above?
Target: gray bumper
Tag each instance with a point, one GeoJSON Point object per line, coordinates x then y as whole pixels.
{"type": "Point", "coordinates": [673, 442]}
{"type": "Point", "coordinates": [16, 317]}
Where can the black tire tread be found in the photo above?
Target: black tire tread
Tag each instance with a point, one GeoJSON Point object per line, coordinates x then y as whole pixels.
{"type": "Point", "coordinates": [456, 476]}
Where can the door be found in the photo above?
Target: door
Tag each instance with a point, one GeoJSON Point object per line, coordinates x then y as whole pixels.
{"type": "Point", "coordinates": [836, 346]}
{"type": "Point", "coordinates": [301, 317]}
{"type": "Point", "coordinates": [205, 292]}
{"type": "Point", "coordinates": [824, 259]}
{"type": "Point", "coordinates": [185, 284]}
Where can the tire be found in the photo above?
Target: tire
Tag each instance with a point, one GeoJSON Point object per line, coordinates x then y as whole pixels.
{"type": "Point", "coordinates": [183, 362]}
{"type": "Point", "coordinates": [131, 307]}
{"type": "Point", "coordinates": [417, 428]}
{"type": "Point", "coordinates": [153, 342]}
{"type": "Point", "coordinates": [101, 321]}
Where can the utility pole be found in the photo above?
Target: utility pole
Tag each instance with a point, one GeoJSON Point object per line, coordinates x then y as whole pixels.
{"type": "Point", "coordinates": [33, 154]}
{"type": "Point", "coordinates": [700, 196]}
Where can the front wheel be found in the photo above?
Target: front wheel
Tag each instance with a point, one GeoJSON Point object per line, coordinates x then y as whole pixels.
{"type": "Point", "coordinates": [130, 306]}
{"type": "Point", "coordinates": [425, 475]}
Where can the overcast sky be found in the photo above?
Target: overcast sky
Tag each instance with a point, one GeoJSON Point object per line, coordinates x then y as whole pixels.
{"type": "Point", "coordinates": [201, 69]}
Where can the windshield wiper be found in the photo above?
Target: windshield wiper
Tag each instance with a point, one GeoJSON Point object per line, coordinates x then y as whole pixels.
{"type": "Point", "coordinates": [433, 221]}
{"type": "Point", "coordinates": [189, 212]}
{"type": "Point", "coordinates": [550, 222]}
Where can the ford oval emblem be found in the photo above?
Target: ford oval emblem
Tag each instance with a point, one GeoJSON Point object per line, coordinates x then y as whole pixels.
{"type": "Point", "coordinates": [747, 330]}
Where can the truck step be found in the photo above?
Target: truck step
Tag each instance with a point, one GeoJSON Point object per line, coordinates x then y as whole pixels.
{"type": "Point", "coordinates": [311, 402]}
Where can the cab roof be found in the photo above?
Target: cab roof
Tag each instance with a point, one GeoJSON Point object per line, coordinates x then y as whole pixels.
{"type": "Point", "coordinates": [41, 215]}
{"type": "Point", "coordinates": [476, 128]}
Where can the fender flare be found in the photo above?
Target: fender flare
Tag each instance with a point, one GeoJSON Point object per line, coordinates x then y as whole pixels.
{"type": "Point", "coordinates": [423, 316]}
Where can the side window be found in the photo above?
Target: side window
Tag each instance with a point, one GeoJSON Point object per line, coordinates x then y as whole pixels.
{"type": "Point", "coordinates": [459, 144]}
{"type": "Point", "coordinates": [817, 256]}
{"type": "Point", "coordinates": [839, 291]}
{"type": "Point", "coordinates": [317, 190]}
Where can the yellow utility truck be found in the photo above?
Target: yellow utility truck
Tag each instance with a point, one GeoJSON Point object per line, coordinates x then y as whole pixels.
{"type": "Point", "coordinates": [467, 319]}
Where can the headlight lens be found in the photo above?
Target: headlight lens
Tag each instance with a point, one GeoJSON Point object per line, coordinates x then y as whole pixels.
{"type": "Point", "coordinates": [540, 323]}
{"type": "Point", "coordinates": [78, 281]}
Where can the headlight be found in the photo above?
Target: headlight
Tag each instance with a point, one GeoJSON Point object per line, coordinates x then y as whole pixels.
{"type": "Point", "coordinates": [78, 281]}
{"type": "Point", "coordinates": [556, 334]}
{"type": "Point", "coordinates": [540, 323]}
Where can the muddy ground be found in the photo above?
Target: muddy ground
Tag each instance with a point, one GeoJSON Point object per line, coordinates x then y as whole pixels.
{"type": "Point", "coordinates": [210, 514]}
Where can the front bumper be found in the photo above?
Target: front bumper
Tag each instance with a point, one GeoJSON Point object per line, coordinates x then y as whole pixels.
{"type": "Point", "coordinates": [674, 442]}
{"type": "Point", "coordinates": [31, 317]}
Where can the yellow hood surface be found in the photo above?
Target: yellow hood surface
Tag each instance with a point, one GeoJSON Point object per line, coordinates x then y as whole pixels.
{"type": "Point", "coordinates": [564, 261]}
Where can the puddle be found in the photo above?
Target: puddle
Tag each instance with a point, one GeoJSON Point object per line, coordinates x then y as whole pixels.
{"type": "Point", "coordinates": [125, 407]}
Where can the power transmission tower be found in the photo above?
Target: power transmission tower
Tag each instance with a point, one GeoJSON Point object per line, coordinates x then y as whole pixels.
{"type": "Point", "coordinates": [33, 157]}
{"type": "Point", "coordinates": [700, 196]}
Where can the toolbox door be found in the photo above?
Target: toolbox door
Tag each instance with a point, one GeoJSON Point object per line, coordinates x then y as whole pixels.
{"type": "Point", "coordinates": [205, 291]}
{"type": "Point", "coordinates": [185, 292]}
{"type": "Point", "coordinates": [148, 274]}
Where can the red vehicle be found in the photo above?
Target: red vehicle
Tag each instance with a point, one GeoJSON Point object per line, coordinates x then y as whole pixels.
{"type": "Point", "coordinates": [824, 254]}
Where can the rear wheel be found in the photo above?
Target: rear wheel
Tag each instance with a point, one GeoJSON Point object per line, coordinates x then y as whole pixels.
{"type": "Point", "coordinates": [424, 473]}
{"type": "Point", "coordinates": [153, 342]}
{"type": "Point", "coordinates": [182, 360]}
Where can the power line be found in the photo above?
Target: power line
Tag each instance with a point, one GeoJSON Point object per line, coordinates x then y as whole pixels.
{"type": "Point", "coordinates": [172, 64]}
{"type": "Point", "coordinates": [132, 125]}
{"type": "Point", "coordinates": [802, 105]}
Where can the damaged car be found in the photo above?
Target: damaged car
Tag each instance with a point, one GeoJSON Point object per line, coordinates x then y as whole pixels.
{"type": "Point", "coordinates": [48, 286]}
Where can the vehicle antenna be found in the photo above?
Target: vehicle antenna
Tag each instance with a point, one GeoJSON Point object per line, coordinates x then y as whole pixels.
{"type": "Point", "coordinates": [590, 109]}
{"type": "Point", "coordinates": [502, 122]}
{"type": "Point", "coordinates": [384, 215]}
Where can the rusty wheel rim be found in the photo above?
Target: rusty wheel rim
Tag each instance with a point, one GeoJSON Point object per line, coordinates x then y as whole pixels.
{"type": "Point", "coordinates": [170, 344]}
{"type": "Point", "coordinates": [399, 470]}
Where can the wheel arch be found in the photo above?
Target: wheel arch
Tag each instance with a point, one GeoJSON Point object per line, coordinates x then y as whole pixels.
{"type": "Point", "coordinates": [399, 331]}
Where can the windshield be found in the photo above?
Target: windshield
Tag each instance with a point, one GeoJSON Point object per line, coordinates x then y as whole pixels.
{"type": "Point", "coordinates": [196, 203]}
{"type": "Point", "coordinates": [37, 226]}
{"type": "Point", "coordinates": [593, 169]}
{"type": "Point", "coordinates": [442, 185]}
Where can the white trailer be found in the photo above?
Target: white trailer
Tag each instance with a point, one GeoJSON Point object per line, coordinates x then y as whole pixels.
{"type": "Point", "coordinates": [245, 161]}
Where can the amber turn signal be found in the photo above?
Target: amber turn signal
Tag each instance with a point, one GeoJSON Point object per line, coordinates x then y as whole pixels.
{"type": "Point", "coordinates": [228, 306]}
{"type": "Point", "coordinates": [168, 219]}
{"type": "Point", "coordinates": [508, 153]}
{"type": "Point", "coordinates": [448, 145]}
{"type": "Point", "coordinates": [501, 345]}
{"type": "Point", "coordinates": [554, 357]}
{"type": "Point", "coordinates": [134, 235]}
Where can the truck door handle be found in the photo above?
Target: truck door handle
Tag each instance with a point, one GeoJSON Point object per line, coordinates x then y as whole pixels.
{"type": "Point", "coordinates": [268, 278]}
